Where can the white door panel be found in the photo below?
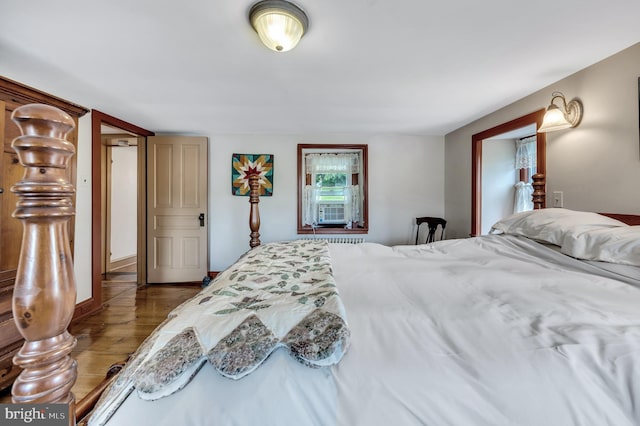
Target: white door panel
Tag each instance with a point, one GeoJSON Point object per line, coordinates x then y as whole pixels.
{"type": "Point", "coordinates": [177, 191]}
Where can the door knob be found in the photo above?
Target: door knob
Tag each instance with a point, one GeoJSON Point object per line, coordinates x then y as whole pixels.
{"type": "Point", "coordinates": [201, 217]}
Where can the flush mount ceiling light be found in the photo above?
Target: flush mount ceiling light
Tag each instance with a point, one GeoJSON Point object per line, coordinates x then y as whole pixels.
{"type": "Point", "coordinates": [279, 24]}
{"type": "Point", "coordinates": [561, 117]}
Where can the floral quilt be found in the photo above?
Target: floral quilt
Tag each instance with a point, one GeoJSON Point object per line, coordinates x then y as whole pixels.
{"type": "Point", "coordinates": [276, 295]}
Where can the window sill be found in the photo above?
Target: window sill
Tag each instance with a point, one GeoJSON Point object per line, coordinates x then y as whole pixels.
{"type": "Point", "coordinates": [332, 229]}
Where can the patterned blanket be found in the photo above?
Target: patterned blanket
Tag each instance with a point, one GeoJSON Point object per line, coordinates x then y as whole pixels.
{"type": "Point", "coordinates": [276, 295]}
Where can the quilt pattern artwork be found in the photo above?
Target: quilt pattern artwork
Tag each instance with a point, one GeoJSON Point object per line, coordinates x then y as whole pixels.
{"type": "Point", "coordinates": [243, 165]}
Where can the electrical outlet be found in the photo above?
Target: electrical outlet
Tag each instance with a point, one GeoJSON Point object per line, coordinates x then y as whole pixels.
{"type": "Point", "coordinates": [557, 199]}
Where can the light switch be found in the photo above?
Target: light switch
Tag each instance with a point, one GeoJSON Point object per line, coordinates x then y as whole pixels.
{"type": "Point", "coordinates": [557, 199]}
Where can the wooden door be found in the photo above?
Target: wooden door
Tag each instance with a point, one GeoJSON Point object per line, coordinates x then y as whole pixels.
{"type": "Point", "coordinates": [177, 214]}
{"type": "Point", "coordinates": [11, 171]}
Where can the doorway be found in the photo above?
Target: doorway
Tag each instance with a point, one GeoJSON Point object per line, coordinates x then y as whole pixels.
{"type": "Point", "coordinates": [507, 187]}
{"type": "Point", "coordinates": [99, 122]}
{"type": "Point", "coordinates": [530, 121]}
{"type": "Point", "coordinates": [120, 207]}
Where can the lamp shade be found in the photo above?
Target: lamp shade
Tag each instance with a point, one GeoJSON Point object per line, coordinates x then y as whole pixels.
{"type": "Point", "coordinates": [279, 24]}
{"type": "Point", "coordinates": [563, 117]}
{"type": "Point", "coordinates": [554, 119]}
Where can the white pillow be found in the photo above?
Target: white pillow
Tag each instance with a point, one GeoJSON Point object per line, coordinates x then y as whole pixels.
{"type": "Point", "coordinates": [619, 245]}
{"type": "Point", "coordinates": [551, 225]}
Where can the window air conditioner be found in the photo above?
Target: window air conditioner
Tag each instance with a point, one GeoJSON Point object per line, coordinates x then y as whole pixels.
{"type": "Point", "coordinates": [331, 214]}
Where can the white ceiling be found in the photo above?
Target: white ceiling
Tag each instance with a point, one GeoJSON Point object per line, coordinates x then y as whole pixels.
{"type": "Point", "coordinates": [365, 66]}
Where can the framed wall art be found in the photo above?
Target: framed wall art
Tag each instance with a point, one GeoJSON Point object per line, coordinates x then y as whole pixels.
{"type": "Point", "coordinates": [243, 165]}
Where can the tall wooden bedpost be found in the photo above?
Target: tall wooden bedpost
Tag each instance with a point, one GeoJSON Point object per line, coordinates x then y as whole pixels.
{"type": "Point", "coordinates": [45, 288]}
{"type": "Point", "coordinates": [539, 191]}
{"type": "Point", "coordinates": [254, 214]}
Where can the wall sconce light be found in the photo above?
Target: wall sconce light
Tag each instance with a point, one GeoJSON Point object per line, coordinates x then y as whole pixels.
{"type": "Point", "coordinates": [561, 117]}
{"type": "Point", "coordinates": [279, 23]}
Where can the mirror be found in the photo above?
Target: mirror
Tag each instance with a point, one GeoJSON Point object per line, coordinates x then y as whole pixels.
{"type": "Point", "coordinates": [332, 189]}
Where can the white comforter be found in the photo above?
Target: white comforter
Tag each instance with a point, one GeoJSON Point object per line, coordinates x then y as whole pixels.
{"type": "Point", "coordinates": [495, 330]}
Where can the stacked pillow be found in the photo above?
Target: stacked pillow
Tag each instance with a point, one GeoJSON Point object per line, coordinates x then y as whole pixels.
{"type": "Point", "coordinates": [583, 235]}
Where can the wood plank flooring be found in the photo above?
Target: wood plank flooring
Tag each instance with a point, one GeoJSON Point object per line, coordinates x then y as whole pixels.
{"type": "Point", "coordinates": [130, 314]}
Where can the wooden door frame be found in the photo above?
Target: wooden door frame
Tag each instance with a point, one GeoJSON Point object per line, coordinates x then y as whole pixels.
{"type": "Point", "coordinates": [476, 159]}
{"type": "Point", "coordinates": [97, 120]}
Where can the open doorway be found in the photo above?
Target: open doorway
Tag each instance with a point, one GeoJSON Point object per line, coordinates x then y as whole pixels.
{"type": "Point", "coordinates": [120, 206]}
{"type": "Point", "coordinates": [508, 164]}
{"type": "Point", "coordinates": [99, 122]}
{"type": "Point", "coordinates": [530, 122]}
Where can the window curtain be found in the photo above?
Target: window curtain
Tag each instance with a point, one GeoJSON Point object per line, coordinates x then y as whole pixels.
{"type": "Point", "coordinates": [352, 204]}
{"type": "Point", "coordinates": [523, 201]}
{"type": "Point", "coordinates": [309, 202]}
{"type": "Point", "coordinates": [341, 162]}
{"type": "Point", "coordinates": [526, 158]}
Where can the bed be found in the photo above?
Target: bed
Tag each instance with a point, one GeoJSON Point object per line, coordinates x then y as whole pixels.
{"type": "Point", "coordinates": [537, 323]}
{"type": "Point", "coordinates": [493, 330]}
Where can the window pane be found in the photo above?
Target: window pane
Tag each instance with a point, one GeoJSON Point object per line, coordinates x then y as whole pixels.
{"type": "Point", "coordinates": [331, 179]}
{"type": "Point", "coordinates": [331, 187]}
{"type": "Point", "coordinates": [332, 194]}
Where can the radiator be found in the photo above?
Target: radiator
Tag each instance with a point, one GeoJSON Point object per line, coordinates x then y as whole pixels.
{"type": "Point", "coordinates": [338, 240]}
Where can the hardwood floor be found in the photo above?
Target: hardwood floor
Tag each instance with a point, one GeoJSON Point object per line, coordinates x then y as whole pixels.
{"type": "Point", "coordinates": [130, 314]}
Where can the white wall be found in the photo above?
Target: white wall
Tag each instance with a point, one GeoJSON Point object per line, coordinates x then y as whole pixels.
{"type": "Point", "coordinates": [498, 180]}
{"type": "Point", "coordinates": [82, 243]}
{"type": "Point", "coordinates": [406, 180]}
{"type": "Point", "coordinates": [596, 165]}
{"type": "Point", "coordinates": [124, 202]}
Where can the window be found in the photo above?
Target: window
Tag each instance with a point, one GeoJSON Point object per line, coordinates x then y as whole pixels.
{"type": "Point", "coordinates": [525, 164]}
{"type": "Point", "coordinates": [332, 189]}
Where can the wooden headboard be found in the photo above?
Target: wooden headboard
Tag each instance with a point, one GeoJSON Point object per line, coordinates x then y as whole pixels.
{"type": "Point", "coordinates": [539, 195]}
{"type": "Point", "coordinates": [539, 190]}
{"type": "Point", "coordinates": [629, 219]}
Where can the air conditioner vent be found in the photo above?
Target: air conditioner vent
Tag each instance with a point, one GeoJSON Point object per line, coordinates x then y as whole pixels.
{"type": "Point", "coordinates": [331, 214]}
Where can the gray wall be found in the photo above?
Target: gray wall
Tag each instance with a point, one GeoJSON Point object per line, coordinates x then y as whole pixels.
{"type": "Point", "coordinates": [596, 165]}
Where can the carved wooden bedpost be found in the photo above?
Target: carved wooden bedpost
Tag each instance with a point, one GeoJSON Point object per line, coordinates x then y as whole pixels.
{"type": "Point", "coordinates": [539, 191]}
{"type": "Point", "coordinates": [254, 214]}
{"type": "Point", "coordinates": [45, 289]}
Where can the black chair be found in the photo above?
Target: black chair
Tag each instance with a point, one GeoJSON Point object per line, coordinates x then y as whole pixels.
{"type": "Point", "coordinates": [432, 223]}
